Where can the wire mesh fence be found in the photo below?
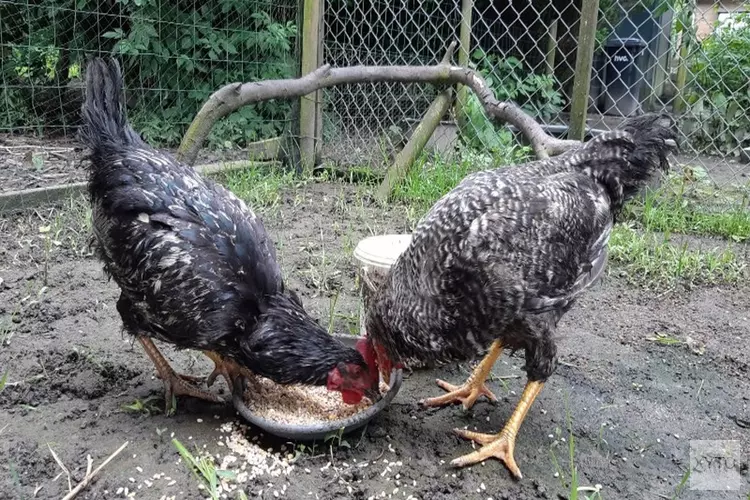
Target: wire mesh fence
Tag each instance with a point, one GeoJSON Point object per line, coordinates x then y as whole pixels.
{"type": "Point", "coordinates": [689, 57]}
{"type": "Point", "coordinates": [650, 55]}
{"type": "Point", "coordinates": [174, 55]}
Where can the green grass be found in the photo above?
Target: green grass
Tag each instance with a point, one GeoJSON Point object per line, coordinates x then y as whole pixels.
{"type": "Point", "coordinates": [258, 186]}
{"type": "Point", "coordinates": [643, 250]}
{"type": "Point", "coordinates": [430, 179]}
{"type": "Point", "coordinates": [636, 251]}
{"type": "Point", "coordinates": [651, 259]}
{"type": "Point", "coordinates": [571, 482]}
{"type": "Point", "coordinates": [688, 207]}
{"type": "Point", "coordinates": [204, 469]}
{"type": "Point", "coordinates": [683, 482]}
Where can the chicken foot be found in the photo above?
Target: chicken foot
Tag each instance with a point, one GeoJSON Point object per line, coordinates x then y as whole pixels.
{"type": "Point", "coordinates": [502, 445]}
{"type": "Point", "coordinates": [227, 368]}
{"type": "Point", "coordinates": [473, 387]}
{"type": "Point", "coordinates": [175, 384]}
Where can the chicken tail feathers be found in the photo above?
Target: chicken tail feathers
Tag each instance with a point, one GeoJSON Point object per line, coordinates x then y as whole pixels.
{"type": "Point", "coordinates": [624, 160]}
{"type": "Point", "coordinates": [105, 120]}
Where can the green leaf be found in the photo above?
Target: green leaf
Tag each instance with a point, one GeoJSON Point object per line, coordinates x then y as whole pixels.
{"type": "Point", "coordinates": [116, 34]}
{"type": "Point", "coordinates": [4, 380]}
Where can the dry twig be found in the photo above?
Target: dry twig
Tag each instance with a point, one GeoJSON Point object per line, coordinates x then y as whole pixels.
{"type": "Point", "coordinates": [73, 492]}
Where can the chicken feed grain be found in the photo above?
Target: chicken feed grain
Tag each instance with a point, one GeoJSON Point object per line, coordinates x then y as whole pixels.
{"type": "Point", "coordinates": [298, 404]}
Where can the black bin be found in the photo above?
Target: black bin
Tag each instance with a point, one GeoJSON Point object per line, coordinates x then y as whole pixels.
{"type": "Point", "coordinates": [597, 82]}
{"type": "Point", "coordinates": [623, 77]}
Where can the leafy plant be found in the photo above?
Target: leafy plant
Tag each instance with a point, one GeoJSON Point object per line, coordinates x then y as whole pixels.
{"type": "Point", "coordinates": [201, 48]}
{"type": "Point", "coordinates": [536, 93]}
{"type": "Point", "coordinates": [148, 406]}
{"type": "Point", "coordinates": [177, 52]}
{"type": "Point", "coordinates": [720, 82]}
{"type": "Point", "coordinates": [510, 81]}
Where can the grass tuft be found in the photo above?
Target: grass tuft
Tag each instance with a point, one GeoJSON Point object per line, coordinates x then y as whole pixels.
{"type": "Point", "coordinates": [651, 259]}
{"type": "Point", "coordinates": [204, 469]}
{"type": "Point", "coordinates": [430, 178]}
{"type": "Point", "coordinates": [683, 206]}
{"type": "Point", "coordinates": [683, 482]}
{"type": "Point", "coordinates": [258, 186]}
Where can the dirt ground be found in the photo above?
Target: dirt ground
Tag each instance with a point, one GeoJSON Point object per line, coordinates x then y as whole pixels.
{"type": "Point", "coordinates": [634, 405]}
{"type": "Point", "coordinates": [29, 162]}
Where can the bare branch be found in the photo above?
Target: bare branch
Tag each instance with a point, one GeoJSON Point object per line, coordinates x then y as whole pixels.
{"type": "Point", "coordinates": [235, 95]}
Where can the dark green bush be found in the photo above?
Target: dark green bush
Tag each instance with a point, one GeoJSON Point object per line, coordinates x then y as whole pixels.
{"type": "Point", "coordinates": [537, 94]}
{"type": "Point", "coordinates": [174, 53]}
{"type": "Point", "coordinates": [720, 83]}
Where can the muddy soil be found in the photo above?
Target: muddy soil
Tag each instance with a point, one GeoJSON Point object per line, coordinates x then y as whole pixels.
{"type": "Point", "coordinates": [633, 405]}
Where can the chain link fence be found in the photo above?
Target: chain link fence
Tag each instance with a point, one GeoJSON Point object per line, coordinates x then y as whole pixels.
{"type": "Point", "coordinates": [174, 55]}
{"type": "Point", "coordinates": [689, 57]}
{"type": "Point", "coordinates": [673, 55]}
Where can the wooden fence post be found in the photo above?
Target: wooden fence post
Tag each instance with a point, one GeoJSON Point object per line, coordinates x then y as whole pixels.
{"type": "Point", "coordinates": [584, 61]}
{"type": "Point", "coordinates": [406, 157]}
{"type": "Point", "coordinates": [462, 95]}
{"type": "Point", "coordinates": [309, 106]}
{"type": "Point", "coordinates": [319, 93]}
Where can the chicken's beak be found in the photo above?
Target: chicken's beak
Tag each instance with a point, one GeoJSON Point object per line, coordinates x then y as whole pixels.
{"type": "Point", "coordinates": [373, 395]}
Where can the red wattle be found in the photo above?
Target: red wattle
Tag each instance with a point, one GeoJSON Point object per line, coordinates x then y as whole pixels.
{"type": "Point", "coordinates": [351, 398]}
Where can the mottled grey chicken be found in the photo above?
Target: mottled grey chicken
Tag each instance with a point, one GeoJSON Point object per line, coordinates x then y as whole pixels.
{"type": "Point", "coordinates": [499, 259]}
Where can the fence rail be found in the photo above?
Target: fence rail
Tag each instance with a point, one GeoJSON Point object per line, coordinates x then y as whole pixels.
{"type": "Point", "coordinates": [683, 56]}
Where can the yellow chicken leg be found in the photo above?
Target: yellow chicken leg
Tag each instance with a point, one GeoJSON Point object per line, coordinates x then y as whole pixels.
{"type": "Point", "coordinates": [501, 445]}
{"type": "Point", "coordinates": [227, 368]}
{"type": "Point", "coordinates": [473, 387]}
{"type": "Point", "coordinates": [174, 384]}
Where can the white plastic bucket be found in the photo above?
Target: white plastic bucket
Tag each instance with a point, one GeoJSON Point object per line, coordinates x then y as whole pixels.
{"type": "Point", "coordinates": [375, 256]}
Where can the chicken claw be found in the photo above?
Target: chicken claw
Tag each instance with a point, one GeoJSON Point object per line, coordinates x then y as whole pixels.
{"type": "Point", "coordinates": [473, 387]}
{"type": "Point", "coordinates": [227, 368]}
{"type": "Point", "coordinates": [174, 384]}
{"type": "Point", "coordinates": [466, 394]}
{"type": "Point", "coordinates": [500, 446]}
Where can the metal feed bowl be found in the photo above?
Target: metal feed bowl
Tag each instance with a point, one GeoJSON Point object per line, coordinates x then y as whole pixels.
{"type": "Point", "coordinates": [318, 431]}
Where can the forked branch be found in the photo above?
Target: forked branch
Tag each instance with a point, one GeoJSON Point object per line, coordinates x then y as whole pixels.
{"type": "Point", "coordinates": [233, 96]}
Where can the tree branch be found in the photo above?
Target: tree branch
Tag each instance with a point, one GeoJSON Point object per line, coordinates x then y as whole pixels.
{"type": "Point", "coordinates": [235, 95]}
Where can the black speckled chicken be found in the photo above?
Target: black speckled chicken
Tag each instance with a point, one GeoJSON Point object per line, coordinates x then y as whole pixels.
{"type": "Point", "coordinates": [499, 260]}
{"type": "Point", "coordinates": [195, 265]}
